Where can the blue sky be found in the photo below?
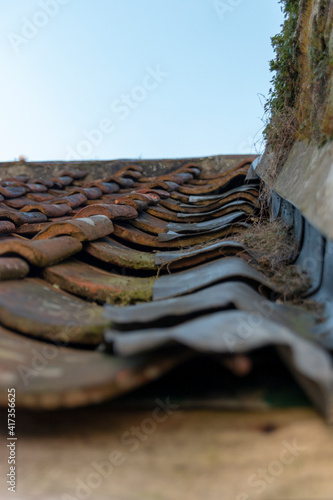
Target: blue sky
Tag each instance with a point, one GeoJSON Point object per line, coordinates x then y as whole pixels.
{"type": "Point", "coordinates": [133, 78]}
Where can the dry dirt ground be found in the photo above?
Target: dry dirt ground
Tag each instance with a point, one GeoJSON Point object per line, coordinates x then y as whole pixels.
{"type": "Point", "coordinates": [190, 455]}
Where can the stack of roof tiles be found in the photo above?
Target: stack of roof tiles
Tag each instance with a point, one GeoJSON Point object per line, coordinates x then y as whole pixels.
{"type": "Point", "coordinates": [129, 263]}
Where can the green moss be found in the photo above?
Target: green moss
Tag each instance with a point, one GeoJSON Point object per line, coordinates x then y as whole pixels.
{"type": "Point", "coordinates": [285, 65]}
{"type": "Point", "coordinates": [142, 261]}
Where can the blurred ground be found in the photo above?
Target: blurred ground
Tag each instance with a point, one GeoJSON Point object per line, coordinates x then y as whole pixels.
{"type": "Point", "coordinates": [190, 455]}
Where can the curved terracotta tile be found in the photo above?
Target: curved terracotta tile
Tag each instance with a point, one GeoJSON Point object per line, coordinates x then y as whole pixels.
{"type": "Point", "coordinates": [115, 253]}
{"type": "Point", "coordinates": [12, 268]}
{"type": "Point", "coordinates": [6, 227]}
{"type": "Point", "coordinates": [92, 283]}
{"type": "Point", "coordinates": [42, 253]}
{"type": "Point", "coordinates": [62, 383]}
{"type": "Point", "coordinates": [48, 209]}
{"type": "Point", "coordinates": [85, 229]}
{"type": "Point", "coordinates": [116, 212]}
{"type": "Point", "coordinates": [33, 307]}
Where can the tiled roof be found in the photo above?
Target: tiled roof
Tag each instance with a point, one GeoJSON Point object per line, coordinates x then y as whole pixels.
{"type": "Point", "coordinates": [73, 251]}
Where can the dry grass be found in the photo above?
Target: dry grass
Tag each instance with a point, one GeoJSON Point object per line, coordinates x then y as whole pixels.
{"type": "Point", "coordinates": [311, 306]}
{"type": "Point", "coordinates": [270, 241]}
{"type": "Point", "coordinates": [281, 131]}
{"type": "Point", "coordinates": [274, 251]}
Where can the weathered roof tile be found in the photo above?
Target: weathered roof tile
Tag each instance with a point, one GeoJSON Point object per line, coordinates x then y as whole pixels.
{"type": "Point", "coordinates": [12, 268]}
{"type": "Point", "coordinates": [95, 284]}
{"type": "Point", "coordinates": [85, 229]}
{"type": "Point", "coordinates": [6, 227]}
{"type": "Point", "coordinates": [42, 253]}
{"type": "Point", "coordinates": [113, 212]}
{"type": "Point", "coordinates": [33, 307]}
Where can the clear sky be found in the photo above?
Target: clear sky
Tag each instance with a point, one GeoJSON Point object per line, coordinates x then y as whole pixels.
{"type": "Point", "coordinates": [113, 79]}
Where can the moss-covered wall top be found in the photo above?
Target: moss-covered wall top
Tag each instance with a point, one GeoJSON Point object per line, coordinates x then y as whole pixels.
{"type": "Point", "coordinates": [301, 99]}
